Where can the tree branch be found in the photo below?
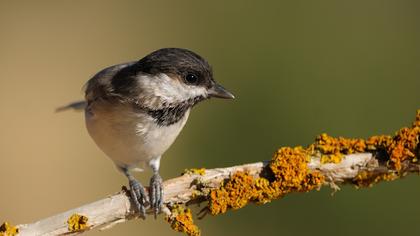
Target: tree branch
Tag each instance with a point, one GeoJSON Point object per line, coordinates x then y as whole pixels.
{"type": "Point", "coordinates": [118, 207]}
{"type": "Point", "coordinates": [328, 161]}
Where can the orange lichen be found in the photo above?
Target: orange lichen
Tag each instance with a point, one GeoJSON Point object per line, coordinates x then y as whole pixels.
{"type": "Point", "coordinates": [7, 229]}
{"type": "Point", "coordinates": [264, 191]}
{"type": "Point", "coordinates": [194, 171]}
{"type": "Point", "coordinates": [380, 142]}
{"type": "Point", "coordinates": [181, 221]}
{"type": "Point", "coordinates": [404, 146]}
{"type": "Point", "coordinates": [291, 174]}
{"type": "Point", "coordinates": [401, 147]}
{"type": "Point", "coordinates": [333, 158]}
{"type": "Point", "coordinates": [333, 149]}
{"type": "Point", "coordinates": [77, 222]}
{"type": "Point", "coordinates": [235, 193]}
{"type": "Point", "coordinates": [289, 167]}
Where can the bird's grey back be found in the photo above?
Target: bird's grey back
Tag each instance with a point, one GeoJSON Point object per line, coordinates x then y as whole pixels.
{"type": "Point", "coordinates": [99, 86]}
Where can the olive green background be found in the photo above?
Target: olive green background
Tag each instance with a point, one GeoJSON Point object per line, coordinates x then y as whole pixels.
{"type": "Point", "coordinates": [298, 68]}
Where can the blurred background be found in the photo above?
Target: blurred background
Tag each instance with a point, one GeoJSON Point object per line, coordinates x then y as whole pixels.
{"type": "Point", "coordinates": [298, 68]}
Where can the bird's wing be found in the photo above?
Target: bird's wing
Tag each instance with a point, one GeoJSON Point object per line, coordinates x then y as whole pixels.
{"type": "Point", "coordinates": [96, 86]}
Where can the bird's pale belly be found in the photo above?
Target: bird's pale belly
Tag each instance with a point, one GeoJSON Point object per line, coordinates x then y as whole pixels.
{"type": "Point", "coordinates": [131, 140]}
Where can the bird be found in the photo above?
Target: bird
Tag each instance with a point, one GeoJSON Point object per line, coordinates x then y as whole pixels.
{"type": "Point", "coordinates": [134, 112]}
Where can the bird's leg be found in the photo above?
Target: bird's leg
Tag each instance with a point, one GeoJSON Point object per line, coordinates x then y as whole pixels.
{"type": "Point", "coordinates": [156, 191]}
{"type": "Point", "coordinates": [137, 192]}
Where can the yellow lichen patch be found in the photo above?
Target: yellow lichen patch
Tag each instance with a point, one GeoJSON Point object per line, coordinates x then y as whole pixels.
{"type": "Point", "coordinates": [404, 146]}
{"type": "Point", "coordinates": [379, 142]}
{"type": "Point", "coordinates": [181, 221]}
{"type": "Point", "coordinates": [7, 229]}
{"type": "Point", "coordinates": [193, 171]}
{"type": "Point", "coordinates": [77, 222]}
{"type": "Point", "coordinates": [219, 201]}
{"type": "Point", "coordinates": [333, 158]}
{"type": "Point", "coordinates": [291, 173]}
{"type": "Point", "coordinates": [333, 149]}
{"type": "Point", "coordinates": [264, 191]}
{"type": "Point", "coordinates": [289, 167]}
{"type": "Point", "coordinates": [235, 193]}
{"type": "Point", "coordinates": [401, 147]}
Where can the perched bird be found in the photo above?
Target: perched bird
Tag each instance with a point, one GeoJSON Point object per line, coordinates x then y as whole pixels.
{"type": "Point", "coordinates": [134, 112]}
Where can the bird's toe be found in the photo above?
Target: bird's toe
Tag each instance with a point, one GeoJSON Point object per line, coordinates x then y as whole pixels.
{"type": "Point", "coordinates": [138, 196]}
{"type": "Point", "coordinates": [156, 193]}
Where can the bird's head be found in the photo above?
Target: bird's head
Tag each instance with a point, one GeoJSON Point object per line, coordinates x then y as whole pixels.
{"type": "Point", "coordinates": [168, 77]}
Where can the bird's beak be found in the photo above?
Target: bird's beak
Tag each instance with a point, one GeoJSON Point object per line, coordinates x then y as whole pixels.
{"type": "Point", "coordinates": [217, 91]}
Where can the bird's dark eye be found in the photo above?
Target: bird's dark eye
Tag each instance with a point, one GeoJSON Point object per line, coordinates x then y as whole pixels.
{"type": "Point", "coordinates": [191, 79]}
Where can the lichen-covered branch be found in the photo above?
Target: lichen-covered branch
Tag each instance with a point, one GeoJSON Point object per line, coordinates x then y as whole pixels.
{"type": "Point", "coordinates": [328, 161]}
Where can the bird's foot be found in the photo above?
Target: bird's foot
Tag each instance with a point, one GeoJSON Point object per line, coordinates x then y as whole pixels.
{"type": "Point", "coordinates": [138, 195]}
{"type": "Point", "coordinates": [156, 193]}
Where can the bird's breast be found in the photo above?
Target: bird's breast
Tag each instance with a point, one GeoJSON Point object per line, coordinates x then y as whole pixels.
{"type": "Point", "coordinates": [130, 138]}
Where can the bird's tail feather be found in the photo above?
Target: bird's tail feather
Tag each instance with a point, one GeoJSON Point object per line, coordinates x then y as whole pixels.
{"type": "Point", "coordinates": [77, 106]}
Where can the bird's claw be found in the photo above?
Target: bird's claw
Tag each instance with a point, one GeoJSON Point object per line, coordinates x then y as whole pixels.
{"type": "Point", "coordinates": [156, 193]}
{"type": "Point", "coordinates": [138, 195]}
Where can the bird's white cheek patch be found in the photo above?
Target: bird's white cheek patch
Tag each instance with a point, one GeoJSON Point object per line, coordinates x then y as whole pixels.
{"type": "Point", "coordinates": [168, 90]}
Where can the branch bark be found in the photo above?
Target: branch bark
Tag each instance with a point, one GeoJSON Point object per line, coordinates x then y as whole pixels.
{"type": "Point", "coordinates": [328, 161]}
{"type": "Point", "coordinates": [118, 208]}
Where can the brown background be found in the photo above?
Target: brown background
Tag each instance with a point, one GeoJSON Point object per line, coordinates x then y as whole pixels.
{"type": "Point", "coordinates": [298, 68]}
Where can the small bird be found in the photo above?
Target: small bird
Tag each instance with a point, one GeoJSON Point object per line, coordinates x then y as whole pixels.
{"type": "Point", "coordinates": [134, 112]}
